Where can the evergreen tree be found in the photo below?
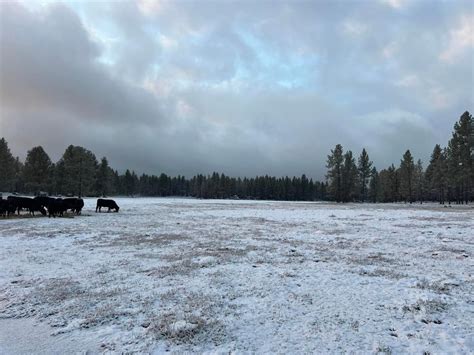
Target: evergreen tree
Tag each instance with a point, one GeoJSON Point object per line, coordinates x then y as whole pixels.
{"type": "Point", "coordinates": [37, 171]}
{"type": "Point", "coordinates": [349, 178]}
{"type": "Point", "coordinates": [364, 169]}
{"type": "Point", "coordinates": [407, 170]}
{"type": "Point", "coordinates": [51, 186]}
{"type": "Point", "coordinates": [116, 183]}
{"type": "Point", "coordinates": [389, 185]}
{"type": "Point", "coordinates": [435, 175]}
{"type": "Point", "coordinates": [78, 167]}
{"type": "Point", "coordinates": [19, 184]}
{"type": "Point", "coordinates": [419, 181]}
{"type": "Point", "coordinates": [8, 167]}
{"type": "Point", "coordinates": [129, 183]}
{"type": "Point", "coordinates": [459, 160]}
{"type": "Point", "coordinates": [334, 175]}
{"type": "Point", "coordinates": [384, 186]}
{"type": "Point", "coordinates": [103, 178]}
{"type": "Point", "coordinates": [374, 186]}
{"type": "Point", "coordinates": [59, 177]}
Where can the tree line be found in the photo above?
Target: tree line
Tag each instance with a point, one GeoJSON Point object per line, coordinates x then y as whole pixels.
{"type": "Point", "coordinates": [448, 177]}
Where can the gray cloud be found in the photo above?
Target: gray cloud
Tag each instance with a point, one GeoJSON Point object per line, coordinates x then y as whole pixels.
{"type": "Point", "coordinates": [49, 64]}
{"type": "Point", "coordinates": [240, 87]}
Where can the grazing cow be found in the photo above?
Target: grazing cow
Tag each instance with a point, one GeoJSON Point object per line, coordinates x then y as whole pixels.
{"type": "Point", "coordinates": [56, 207]}
{"type": "Point", "coordinates": [43, 200]}
{"type": "Point", "coordinates": [74, 204]}
{"type": "Point", "coordinates": [9, 207]}
{"type": "Point", "coordinates": [110, 204]}
{"type": "Point", "coordinates": [27, 203]}
{"type": "Point", "coordinates": [79, 205]}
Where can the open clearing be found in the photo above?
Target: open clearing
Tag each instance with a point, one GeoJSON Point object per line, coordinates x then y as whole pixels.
{"type": "Point", "coordinates": [207, 275]}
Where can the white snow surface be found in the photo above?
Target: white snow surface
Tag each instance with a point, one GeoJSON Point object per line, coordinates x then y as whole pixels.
{"type": "Point", "coordinates": [239, 276]}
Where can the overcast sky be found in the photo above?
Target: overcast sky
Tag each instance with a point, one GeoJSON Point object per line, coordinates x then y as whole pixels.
{"type": "Point", "coordinates": [240, 87]}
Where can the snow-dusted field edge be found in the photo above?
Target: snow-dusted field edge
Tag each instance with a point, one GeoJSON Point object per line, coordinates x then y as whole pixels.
{"type": "Point", "coordinates": [285, 277]}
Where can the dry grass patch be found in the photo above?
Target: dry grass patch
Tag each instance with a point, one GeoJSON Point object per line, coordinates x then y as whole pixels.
{"type": "Point", "coordinates": [161, 239]}
{"type": "Point", "coordinates": [191, 318]}
{"type": "Point", "coordinates": [382, 272]}
{"type": "Point", "coordinates": [426, 306]}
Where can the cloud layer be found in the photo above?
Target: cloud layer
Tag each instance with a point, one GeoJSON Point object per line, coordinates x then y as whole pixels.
{"type": "Point", "coordinates": [240, 87]}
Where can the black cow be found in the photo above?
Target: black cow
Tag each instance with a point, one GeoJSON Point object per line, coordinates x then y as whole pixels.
{"type": "Point", "coordinates": [43, 200]}
{"type": "Point", "coordinates": [110, 204]}
{"type": "Point", "coordinates": [9, 207]}
{"type": "Point", "coordinates": [27, 203]}
{"type": "Point", "coordinates": [56, 207]}
{"type": "Point", "coordinates": [13, 200]}
{"type": "Point", "coordinates": [74, 204]}
{"type": "Point", "coordinates": [46, 202]}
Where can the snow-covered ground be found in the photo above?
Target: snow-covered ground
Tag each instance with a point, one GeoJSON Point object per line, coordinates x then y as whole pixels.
{"type": "Point", "coordinates": [245, 276]}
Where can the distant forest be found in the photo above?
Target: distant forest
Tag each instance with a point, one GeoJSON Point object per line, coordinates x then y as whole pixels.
{"type": "Point", "coordinates": [449, 177]}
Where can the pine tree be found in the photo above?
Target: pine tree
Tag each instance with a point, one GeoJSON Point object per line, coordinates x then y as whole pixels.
{"type": "Point", "coordinates": [19, 185]}
{"type": "Point", "coordinates": [7, 167]}
{"type": "Point", "coordinates": [103, 178]}
{"type": "Point", "coordinates": [389, 185]}
{"type": "Point", "coordinates": [334, 174]}
{"type": "Point", "coordinates": [364, 169]}
{"type": "Point", "coordinates": [51, 186]}
{"type": "Point", "coordinates": [349, 177]}
{"type": "Point", "coordinates": [129, 183]}
{"type": "Point", "coordinates": [459, 159]}
{"type": "Point", "coordinates": [78, 169]}
{"type": "Point", "coordinates": [37, 171]}
{"type": "Point", "coordinates": [116, 183]}
{"type": "Point", "coordinates": [419, 181]}
{"type": "Point", "coordinates": [374, 186]}
{"type": "Point", "coordinates": [435, 175]}
{"type": "Point", "coordinates": [407, 170]}
{"type": "Point", "coordinates": [59, 177]}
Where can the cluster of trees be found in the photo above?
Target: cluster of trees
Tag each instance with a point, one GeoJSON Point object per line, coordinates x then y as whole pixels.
{"type": "Point", "coordinates": [349, 181]}
{"type": "Point", "coordinates": [448, 177]}
{"type": "Point", "coordinates": [79, 173]}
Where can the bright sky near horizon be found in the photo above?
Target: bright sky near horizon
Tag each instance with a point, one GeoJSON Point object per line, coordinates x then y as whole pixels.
{"type": "Point", "coordinates": [240, 87]}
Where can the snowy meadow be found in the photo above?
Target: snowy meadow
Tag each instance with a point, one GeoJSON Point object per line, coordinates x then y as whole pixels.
{"type": "Point", "coordinates": [246, 276]}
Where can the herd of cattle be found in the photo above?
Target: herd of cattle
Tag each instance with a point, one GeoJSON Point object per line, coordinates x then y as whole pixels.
{"type": "Point", "coordinates": [50, 206]}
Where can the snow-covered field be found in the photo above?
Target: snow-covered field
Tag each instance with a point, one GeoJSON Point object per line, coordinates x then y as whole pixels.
{"type": "Point", "coordinates": [245, 276]}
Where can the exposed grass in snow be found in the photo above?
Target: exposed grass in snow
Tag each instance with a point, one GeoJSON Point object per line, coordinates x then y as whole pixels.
{"type": "Point", "coordinates": [187, 275]}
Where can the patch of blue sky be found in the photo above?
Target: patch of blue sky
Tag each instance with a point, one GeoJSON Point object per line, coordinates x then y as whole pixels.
{"type": "Point", "coordinates": [289, 69]}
